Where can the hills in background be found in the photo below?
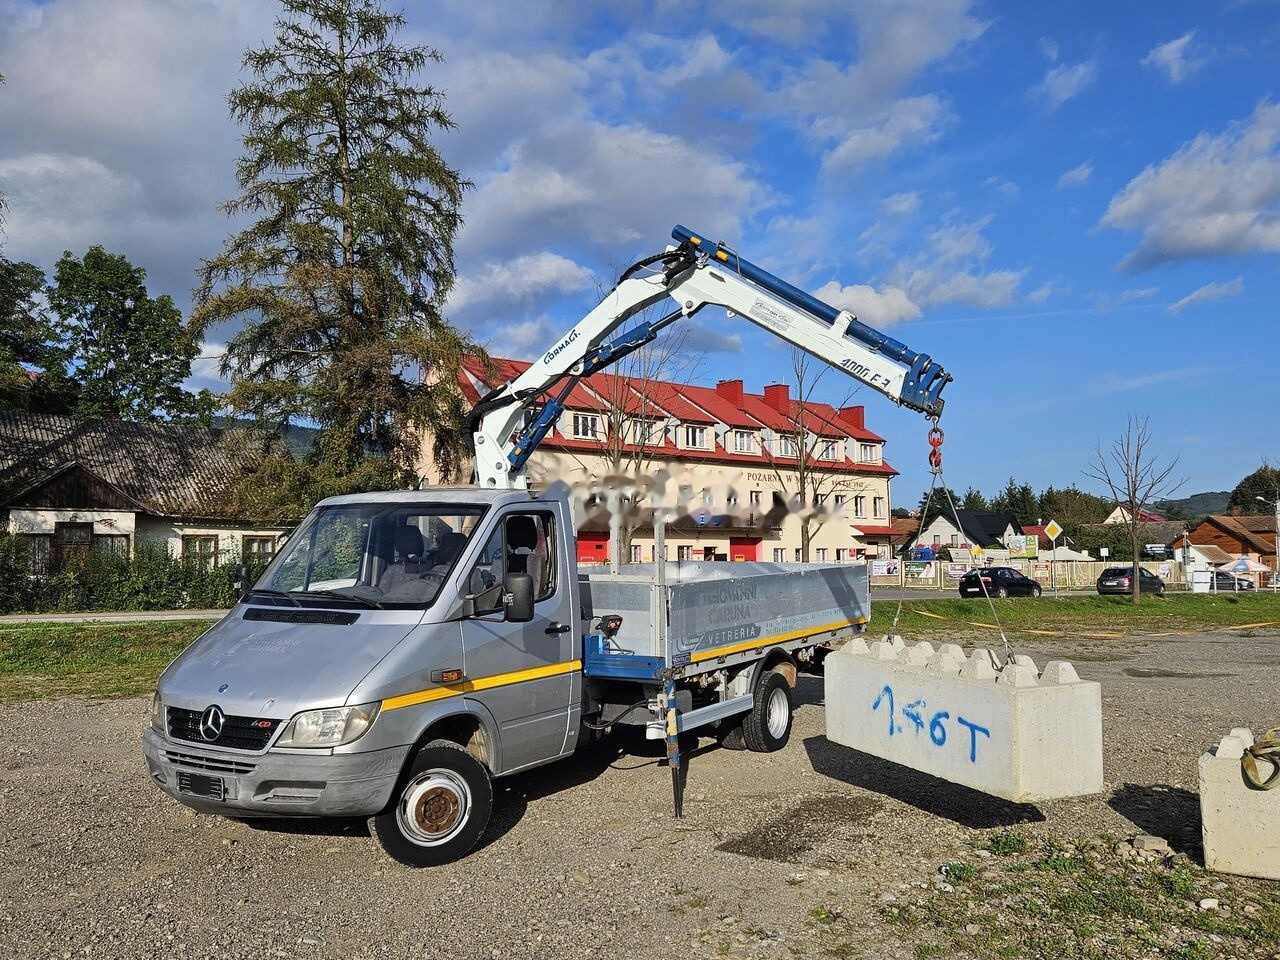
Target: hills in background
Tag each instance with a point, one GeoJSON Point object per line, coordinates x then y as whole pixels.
{"type": "Point", "coordinates": [1195, 507]}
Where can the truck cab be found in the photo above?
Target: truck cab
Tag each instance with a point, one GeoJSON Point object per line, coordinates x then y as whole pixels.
{"type": "Point", "coordinates": [388, 622]}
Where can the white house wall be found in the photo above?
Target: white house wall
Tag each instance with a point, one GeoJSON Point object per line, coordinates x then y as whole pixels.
{"type": "Point", "coordinates": [169, 533]}
{"type": "Point", "coordinates": [105, 522]}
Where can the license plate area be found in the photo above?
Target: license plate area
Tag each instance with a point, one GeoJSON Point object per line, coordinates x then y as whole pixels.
{"type": "Point", "coordinates": [200, 785]}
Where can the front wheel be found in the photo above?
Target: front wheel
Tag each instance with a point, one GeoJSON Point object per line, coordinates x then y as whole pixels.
{"type": "Point", "coordinates": [439, 811]}
{"type": "Point", "coordinates": [768, 726]}
{"type": "Point", "coordinates": [1035, 591]}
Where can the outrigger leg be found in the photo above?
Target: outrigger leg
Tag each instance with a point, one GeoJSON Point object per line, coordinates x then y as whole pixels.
{"type": "Point", "coordinates": [673, 747]}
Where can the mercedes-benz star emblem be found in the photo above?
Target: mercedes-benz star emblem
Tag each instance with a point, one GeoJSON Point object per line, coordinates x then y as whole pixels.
{"type": "Point", "coordinates": [211, 722]}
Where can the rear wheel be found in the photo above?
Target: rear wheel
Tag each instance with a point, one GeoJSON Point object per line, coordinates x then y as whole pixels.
{"type": "Point", "coordinates": [1002, 592]}
{"type": "Point", "coordinates": [768, 726]}
{"type": "Point", "coordinates": [439, 811]}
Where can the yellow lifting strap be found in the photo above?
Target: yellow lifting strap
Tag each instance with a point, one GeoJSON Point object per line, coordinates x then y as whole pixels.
{"type": "Point", "coordinates": [1267, 749]}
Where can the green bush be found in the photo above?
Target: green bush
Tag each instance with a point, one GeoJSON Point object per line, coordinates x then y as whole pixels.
{"type": "Point", "coordinates": [149, 579]}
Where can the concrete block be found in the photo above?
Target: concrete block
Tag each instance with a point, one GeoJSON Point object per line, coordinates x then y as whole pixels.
{"type": "Point", "coordinates": [1007, 730]}
{"type": "Point", "coordinates": [1240, 825]}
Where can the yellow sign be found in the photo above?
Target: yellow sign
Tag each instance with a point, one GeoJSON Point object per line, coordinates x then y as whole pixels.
{"type": "Point", "coordinates": [1052, 530]}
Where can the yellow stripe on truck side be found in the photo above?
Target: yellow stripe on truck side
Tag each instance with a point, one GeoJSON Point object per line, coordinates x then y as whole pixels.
{"type": "Point", "coordinates": [484, 683]}
{"type": "Point", "coordinates": [776, 638]}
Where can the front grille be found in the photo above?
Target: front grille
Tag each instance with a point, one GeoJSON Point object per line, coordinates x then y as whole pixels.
{"type": "Point", "coordinates": [238, 733]}
{"type": "Point", "coordinates": [217, 764]}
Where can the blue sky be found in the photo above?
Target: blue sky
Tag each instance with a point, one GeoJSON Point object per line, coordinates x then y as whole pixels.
{"type": "Point", "coordinates": [1074, 208]}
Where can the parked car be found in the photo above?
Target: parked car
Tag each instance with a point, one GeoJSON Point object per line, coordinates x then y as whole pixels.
{"type": "Point", "coordinates": [1224, 581]}
{"type": "Point", "coordinates": [998, 582]}
{"type": "Point", "coordinates": [1120, 580]}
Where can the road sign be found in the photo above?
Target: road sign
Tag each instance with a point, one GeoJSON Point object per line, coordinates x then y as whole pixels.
{"type": "Point", "coordinates": [1052, 530]}
{"type": "Point", "coordinates": [1240, 566]}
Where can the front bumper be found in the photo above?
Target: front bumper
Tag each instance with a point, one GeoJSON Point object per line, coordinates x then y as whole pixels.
{"type": "Point", "coordinates": [277, 784]}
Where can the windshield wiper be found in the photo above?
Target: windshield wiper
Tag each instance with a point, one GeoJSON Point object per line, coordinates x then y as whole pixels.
{"type": "Point", "coordinates": [275, 593]}
{"type": "Point", "coordinates": [343, 596]}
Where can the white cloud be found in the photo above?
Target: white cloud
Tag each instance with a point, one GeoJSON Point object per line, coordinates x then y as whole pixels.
{"type": "Point", "coordinates": [951, 271]}
{"type": "Point", "coordinates": [1076, 176]}
{"type": "Point", "coordinates": [1172, 60]}
{"type": "Point", "coordinates": [910, 121]}
{"type": "Point", "coordinates": [879, 308]}
{"type": "Point", "coordinates": [900, 204]}
{"type": "Point", "coordinates": [1050, 289]}
{"type": "Point", "coordinates": [1048, 48]}
{"type": "Point", "coordinates": [1208, 293]}
{"type": "Point", "coordinates": [520, 280]}
{"type": "Point", "coordinates": [1140, 293]}
{"type": "Point", "coordinates": [1064, 81]}
{"type": "Point", "coordinates": [1218, 195]}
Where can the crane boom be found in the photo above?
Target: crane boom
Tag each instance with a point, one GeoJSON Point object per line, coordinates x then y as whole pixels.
{"type": "Point", "coordinates": [695, 274]}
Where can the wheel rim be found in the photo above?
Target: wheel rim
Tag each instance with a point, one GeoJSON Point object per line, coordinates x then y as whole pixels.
{"type": "Point", "coordinates": [433, 807]}
{"type": "Point", "coordinates": [777, 713]}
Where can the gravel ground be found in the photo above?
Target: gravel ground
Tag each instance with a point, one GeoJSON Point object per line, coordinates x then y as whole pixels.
{"type": "Point", "coordinates": [582, 858]}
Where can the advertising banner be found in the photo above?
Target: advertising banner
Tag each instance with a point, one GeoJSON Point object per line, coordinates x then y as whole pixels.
{"type": "Point", "coordinates": [1023, 547]}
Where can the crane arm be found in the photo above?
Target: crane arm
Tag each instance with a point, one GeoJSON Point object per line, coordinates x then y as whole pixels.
{"type": "Point", "coordinates": [695, 274]}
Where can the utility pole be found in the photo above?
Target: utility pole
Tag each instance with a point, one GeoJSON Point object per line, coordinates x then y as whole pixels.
{"type": "Point", "coordinates": [1275, 572]}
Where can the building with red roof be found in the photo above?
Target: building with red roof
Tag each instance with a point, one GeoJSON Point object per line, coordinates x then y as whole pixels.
{"type": "Point", "coordinates": [727, 464]}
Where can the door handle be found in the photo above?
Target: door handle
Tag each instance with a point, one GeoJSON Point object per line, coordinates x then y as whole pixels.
{"type": "Point", "coordinates": [557, 627]}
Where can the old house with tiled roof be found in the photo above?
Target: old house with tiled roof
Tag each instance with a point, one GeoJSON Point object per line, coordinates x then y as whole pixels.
{"type": "Point", "coordinates": [1251, 537]}
{"type": "Point", "coordinates": [69, 485]}
{"type": "Point", "coordinates": [724, 459]}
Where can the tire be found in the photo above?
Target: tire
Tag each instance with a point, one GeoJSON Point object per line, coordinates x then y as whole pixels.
{"type": "Point", "coordinates": [1002, 592]}
{"type": "Point", "coordinates": [730, 735]}
{"type": "Point", "coordinates": [768, 726]}
{"type": "Point", "coordinates": [1035, 591]}
{"type": "Point", "coordinates": [439, 809]}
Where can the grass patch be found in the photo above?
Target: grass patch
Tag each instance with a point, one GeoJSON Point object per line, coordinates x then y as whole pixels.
{"type": "Point", "coordinates": [1008, 844]}
{"type": "Point", "coordinates": [1098, 907]}
{"type": "Point", "coordinates": [48, 660]}
{"type": "Point", "coordinates": [958, 871]}
{"type": "Point", "coordinates": [1101, 616]}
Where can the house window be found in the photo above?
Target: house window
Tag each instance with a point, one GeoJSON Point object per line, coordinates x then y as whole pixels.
{"type": "Point", "coordinates": [645, 432]}
{"type": "Point", "coordinates": [255, 549]}
{"type": "Point", "coordinates": [822, 554]}
{"type": "Point", "coordinates": [787, 447]}
{"type": "Point", "coordinates": [866, 453]}
{"type": "Point", "coordinates": [839, 500]}
{"type": "Point", "coordinates": [116, 544]}
{"type": "Point", "coordinates": [201, 549]}
{"type": "Point", "coordinates": [635, 553]}
{"type": "Point", "coordinates": [955, 539]}
{"type": "Point", "coordinates": [820, 499]}
{"type": "Point", "coordinates": [38, 546]}
{"type": "Point", "coordinates": [684, 552]}
{"type": "Point", "coordinates": [708, 498]}
{"type": "Point", "coordinates": [797, 554]}
{"type": "Point", "coordinates": [586, 426]}
{"type": "Point", "coordinates": [743, 442]}
{"type": "Point", "coordinates": [859, 506]}
{"type": "Point", "coordinates": [779, 554]}
{"type": "Point", "coordinates": [72, 540]}
{"type": "Point", "coordinates": [842, 554]}
{"type": "Point", "coordinates": [732, 500]}
{"type": "Point", "coordinates": [754, 498]}
{"type": "Point", "coordinates": [937, 540]}
{"type": "Point", "coordinates": [879, 508]}
{"type": "Point", "coordinates": [827, 450]}
{"type": "Point", "coordinates": [695, 438]}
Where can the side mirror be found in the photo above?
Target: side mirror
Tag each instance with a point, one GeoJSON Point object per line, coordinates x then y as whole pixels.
{"type": "Point", "coordinates": [243, 581]}
{"type": "Point", "coordinates": [517, 600]}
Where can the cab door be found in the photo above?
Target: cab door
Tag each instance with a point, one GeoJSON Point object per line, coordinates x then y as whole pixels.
{"type": "Point", "coordinates": [523, 673]}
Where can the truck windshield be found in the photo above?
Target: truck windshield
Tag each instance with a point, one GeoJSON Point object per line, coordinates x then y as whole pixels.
{"type": "Point", "coordinates": [372, 554]}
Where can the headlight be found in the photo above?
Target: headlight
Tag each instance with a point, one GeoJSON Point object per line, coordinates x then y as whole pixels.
{"type": "Point", "coordinates": [157, 713]}
{"type": "Point", "coordinates": [332, 727]}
